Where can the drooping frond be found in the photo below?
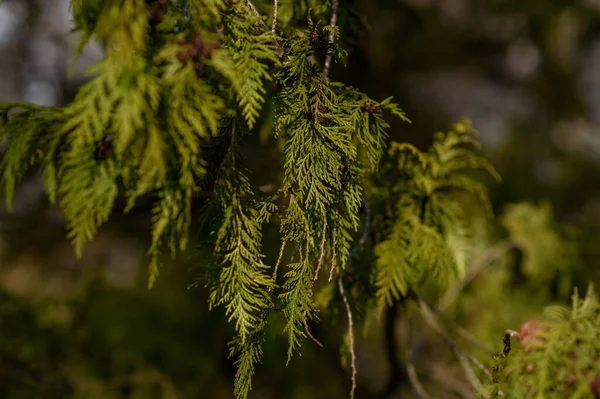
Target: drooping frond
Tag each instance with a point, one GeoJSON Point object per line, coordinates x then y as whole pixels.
{"type": "Point", "coordinates": [244, 285]}
{"type": "Point", "coordinates": [430, 228]}
{"type": "Point", "coordinates": [253, 52]}
{"type": "Point", "coordinates": [326, 126]}
{"type": "Point", "coordinates": [393, 270]}
{"type": "Point", "coordinates": [249, 353]}
{"type": "Point", "coordinates": [31, 132]}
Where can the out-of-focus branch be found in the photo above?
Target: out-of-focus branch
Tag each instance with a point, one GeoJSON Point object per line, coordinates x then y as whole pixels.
{"type": "Point", "coordinates": [274, 26]}
{"type": "Point", "coordinates": [490, 255]}
{"type": "Point", "coordinates": [396, 373]}
{"type": "Point", "coordinates": [351, 336]}
{"type": "Point", "coordinates": [431, 319]}
{"type": "Point", "coordinates": [332, 23]}
{"type": "Point", "coordinates": [486, 258]}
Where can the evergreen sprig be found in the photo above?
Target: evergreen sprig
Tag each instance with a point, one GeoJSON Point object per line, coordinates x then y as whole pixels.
{"type": "Point", "coordinates": [244, 286]}
{"type": "Point", "coordinates": [253, 52]}
{"type": "Point", "coordinates": [325, 126]}
{"type": "Point", "coordinates": [162, 116]}
{"type": "Point", "coordinates": [428, 238]}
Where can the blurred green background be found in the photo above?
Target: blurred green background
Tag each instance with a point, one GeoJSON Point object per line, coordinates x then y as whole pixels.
{"type": "Point", "coordinates": [526, 71]}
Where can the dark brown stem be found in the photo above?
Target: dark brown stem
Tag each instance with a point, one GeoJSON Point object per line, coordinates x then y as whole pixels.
{"type": "Point", "coordinates": [397, 376]}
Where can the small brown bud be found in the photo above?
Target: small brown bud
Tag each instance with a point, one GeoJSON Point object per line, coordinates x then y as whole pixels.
{"type": "Point", "coordinates": [181, 56]}
{"type": "Point", "coordinates": [372, 108]}
{"type": "Point", "coordinates": [163, 3]}
{"type": "Point", "coordinates": [182, 41]}
{"type": "Point", "coordinates": [571, 380]}
{"type": "Point", "coordinates": [198, 42]}
{"type": "Point", "coordinates": [314, 36]}
{"type": "Point", "coordinates": [192, 52]}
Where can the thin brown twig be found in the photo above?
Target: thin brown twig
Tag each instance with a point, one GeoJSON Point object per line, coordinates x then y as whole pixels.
{"type": "Point", "coordinates": [477, 267]}
{"type": "Point", "coordinates": [274, 26]}
{"type": "Point", "coordinates": [332, 23]}
{"type": "Point", "coordinates": [479, 365]}
{"type": "Point", "coordinates": [431, 319]}
{"type": "Point", "coordinates": [334, 255]}
{"type": "Point", "coordinates": [306, 255]}
{"type": "Point", "coordinates": [323, 240]}
{"type": "Point", "coordinates": [252, 7]}
{"type": "Point", "coordinates": [413, 377]}
{"type": "Point", "coordinates": [307, 330]}
{"type": "Point", "coordinates": [350, 335]}
{"type": "Point", "coordinates": [467, 336]}
{"type": "Point", "coordinates": [279, 259]}
{"type": "Point", "coordinates": [488, 256]}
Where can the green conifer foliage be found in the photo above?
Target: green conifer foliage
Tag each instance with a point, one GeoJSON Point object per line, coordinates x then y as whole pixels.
{"type": "Point", "coordinates": [324, 126]}
{"type": "Point", "coordinates": [163, 115]}
{"type": "Point", "coordinates": [427, 233]}
{"type": "Point", "coordinates": [557, 356]}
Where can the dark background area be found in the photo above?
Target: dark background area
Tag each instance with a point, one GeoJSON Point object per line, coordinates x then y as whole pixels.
{"type": "Point", "coordinates": [527, 72]}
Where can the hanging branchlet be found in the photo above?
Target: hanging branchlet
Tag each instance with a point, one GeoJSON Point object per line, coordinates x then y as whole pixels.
{"type": "Point", "coordinates": [321, 164]}
{"type": "Point", "coordinates": [161, 118]}
{"type": "Point", "coordinates": [430, 238]}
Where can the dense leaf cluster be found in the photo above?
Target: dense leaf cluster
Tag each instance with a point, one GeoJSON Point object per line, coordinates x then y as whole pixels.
{"type": "Point", "coordinates": [163, 117]}
{"type": "Point", "coordinates": [559, 355]}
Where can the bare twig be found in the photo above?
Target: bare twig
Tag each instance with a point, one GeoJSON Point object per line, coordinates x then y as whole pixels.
{"type": "Point", "coordinates": [477, 267]}
{"type": "Point", "coordinates": [413, 377]}
{"type": "Point", "coordinates": [279, 260]}
{"type": "Point", "coordinates": [274, 26]}
{"type": "Point", "coordinates": [431, 319]}
{"type": "Point", "coordinates": [467, 336]}
{"type": "Point", "coordinates": [479, 365]}
{"type": "Point", "coordinates": [323, 240]}
{"type": "Point", "coordinates": [361, 241]}
{"type": "Point", "coordinates": [252, 7]}
{"type": "Point", "coordinates": [307, 226]}
{"type": "Point", "coordinates": [334, 255]}
{"type": "Point", "coordinates": [446, 379]}
{"type": "Point", "coordinates": [332, 23]}
{"type": "Point", "coordinates": [488, 256]}
{"type": "Point", "coordinates": [350, 335]}
{"type": "Point", "coordinates": [397, 374]}
{"type": "Point", "coordinates": [307, 330]}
